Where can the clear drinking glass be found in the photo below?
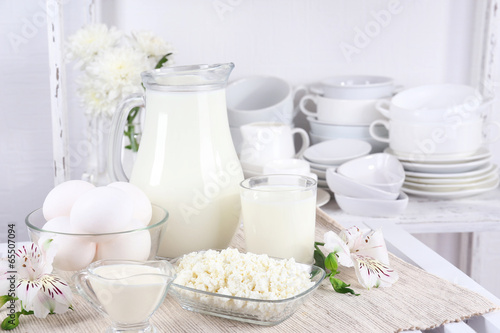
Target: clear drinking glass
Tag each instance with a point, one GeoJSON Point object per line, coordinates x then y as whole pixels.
{"type": "Point", "coordinates": [127, 292]}
{"type": "Point", "coordinates": [279, 216]}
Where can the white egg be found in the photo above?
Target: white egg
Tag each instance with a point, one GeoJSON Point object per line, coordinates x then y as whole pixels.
{"type": "Point", "coordinates": [62, 197]}
{"type": "Point", "coordinates": [102, 210]}
{"type": "Point", "coordinates": [142, 205]}
{"type": "Point", "coordinates": [129, 246]}
{"type": "Point", "coordinates": [58, 224]}
{"type": "Point", "coordinates": [72, 252]}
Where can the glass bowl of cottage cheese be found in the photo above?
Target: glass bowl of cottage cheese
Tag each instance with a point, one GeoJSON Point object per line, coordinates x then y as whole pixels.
{"type": "Point", "coordinates": [241, 286]}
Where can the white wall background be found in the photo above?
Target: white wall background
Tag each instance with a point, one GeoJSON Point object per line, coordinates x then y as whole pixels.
{"type": "Point", "coordinates": [421, 42]}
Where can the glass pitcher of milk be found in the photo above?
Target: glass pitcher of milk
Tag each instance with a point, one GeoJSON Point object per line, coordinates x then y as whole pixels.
{"type": "Point", "coordinates": [186, 161]}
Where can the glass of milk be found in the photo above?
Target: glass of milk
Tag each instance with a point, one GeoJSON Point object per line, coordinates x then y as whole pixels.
{"type": "Point", "coordinates": [279, 216]}
{"type": "Point", "coordinates": [127, 292]}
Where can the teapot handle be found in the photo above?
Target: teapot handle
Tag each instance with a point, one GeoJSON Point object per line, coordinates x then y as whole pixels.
{"type": "Point", "coordinates": [115, 167]}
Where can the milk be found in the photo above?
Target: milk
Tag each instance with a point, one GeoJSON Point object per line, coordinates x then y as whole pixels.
{"type": "Point", "coordinates": [280, 223]}
{"type": "Point", "coordinates": [187, 164]}
{"type": "Point", "coordinates": [128, 299]}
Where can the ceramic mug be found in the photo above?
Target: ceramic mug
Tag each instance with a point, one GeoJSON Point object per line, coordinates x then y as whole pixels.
{"type": "Point", "coordinates": [261, 98]}
{"type": "Point", "coordinates": [435, 103]}
{"type": "Point", "coordinates": [356, 87]}
{"type": "Point", "coordinates": [264, 142]}
{"type": "Point", "coordinates": [460, 138]}
{"type": "Point", "coordinates": [341, 111]}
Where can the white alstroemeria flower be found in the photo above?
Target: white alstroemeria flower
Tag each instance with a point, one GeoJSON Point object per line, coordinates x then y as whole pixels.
{"type": "Point", "coordinates": [333, 243]}
{"type": "Point", "coordinates": [373, 273]}
{"type": "Point", "coordinates": [91, 40]}
{"type": "Point", "coordinates": [366, 243]}
{"type": "Point", "coordinates": [368, 255]}
{"type": "Point", "coordinates": [38, 290]}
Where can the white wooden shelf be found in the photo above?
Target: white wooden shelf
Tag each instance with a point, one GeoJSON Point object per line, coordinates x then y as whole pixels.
{"type": "Point", "coordinates": [480, 213]}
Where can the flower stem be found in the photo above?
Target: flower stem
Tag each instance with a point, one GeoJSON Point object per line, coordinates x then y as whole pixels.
{"type": "Point", "coordinates": [130, 130]}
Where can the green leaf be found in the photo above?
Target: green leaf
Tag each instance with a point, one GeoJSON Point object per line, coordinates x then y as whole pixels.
{"type": "Point", "coordinates": [341, 287]}
{"type": "Point", "coordinates": [319, 257]}
{"type": "Point", "coordinates": [163, 60]}
{"type": "Point", "coordinates": [10, 323]}
{"type": "Point", "coordinates": [6, 298]}
{"type": "Point", "coordinates": [331, 263]}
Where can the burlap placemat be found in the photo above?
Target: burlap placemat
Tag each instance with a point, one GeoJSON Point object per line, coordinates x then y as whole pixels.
{"type": "Point", "coordinates": [419, 300]}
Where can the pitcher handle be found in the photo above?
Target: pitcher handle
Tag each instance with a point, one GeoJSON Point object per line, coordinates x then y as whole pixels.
{"type": "Point", "coordinates": [305, 140]}
{"type": "Point", "coordinates": [115, 167]}
{"type": "Point", "coordinates": [84, 288]}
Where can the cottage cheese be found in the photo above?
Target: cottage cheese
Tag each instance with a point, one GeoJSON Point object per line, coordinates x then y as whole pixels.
{"type": "Point", "coordinates": [248, 275]}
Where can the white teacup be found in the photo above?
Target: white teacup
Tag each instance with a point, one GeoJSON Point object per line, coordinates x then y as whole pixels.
{"type": "Point", "coordinates": [355, 87]}
{"type": "Point", "coordinates": [435, 103]}
{"type": "Point", "coordinates": [341, 111]}
{"type": "Point", "coordinates": [264, 142]}
{"type": "Point", "coordinates": [261, 98]}
{"type": "Point", "coordinates": [429, 138]}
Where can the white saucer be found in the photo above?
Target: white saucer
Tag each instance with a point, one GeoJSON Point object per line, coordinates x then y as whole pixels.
{"type": "Point", "coordinates": [446, 168]}
{"type": "Point", "coordinates": [478, 171]}
{"type": "Point", "coordinates": [439, 158]}
{"type": "Point", "coordinates": [337, 151]}
{"type": "Point", "coordinates": [450, 187]}
{"type": "Point", "coordinates": [322, 197]}
{"type": "Point", "coordinates": [458, 180]}
{"type": "Point", "coordinates": [454, 194]}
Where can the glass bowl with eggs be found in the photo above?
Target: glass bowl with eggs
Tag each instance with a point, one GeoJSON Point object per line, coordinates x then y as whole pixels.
{"type": "Point", "coordinates": [88, 223]}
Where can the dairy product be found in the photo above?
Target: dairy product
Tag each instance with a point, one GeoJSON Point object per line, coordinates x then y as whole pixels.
{"type": "Point", "coordinates": [248, 275]}
{"type": "Point", "coordinates": [280, 221]}
{"type": "Point", "coordinates": [126, 296]}
{"type": "Point", "coordinates": [187, 164]}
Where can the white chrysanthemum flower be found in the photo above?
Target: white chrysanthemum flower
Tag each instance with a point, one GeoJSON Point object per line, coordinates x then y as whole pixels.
{"type": "Point", "coordinates": [91, 40]}
{"type": "Point", "coordinates": [94, 98]}
{"type": "Point", "coordinates": [152, 45]}
{"type": "Point", "coordinates": [113, 75]}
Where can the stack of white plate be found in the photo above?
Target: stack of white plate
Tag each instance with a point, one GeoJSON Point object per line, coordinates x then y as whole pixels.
{"type": "Point", "coordinates": [448, 177]}
{"type": "Point", "coordinates": [332, 153]}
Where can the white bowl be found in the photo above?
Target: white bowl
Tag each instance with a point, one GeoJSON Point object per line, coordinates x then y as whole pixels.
{"type": "Point", "coordinates": [382, 171]}
{"type": "Point", "coordinates": [343, 185]}
{"type": "Point", "coordinates": [356, 87]}
{"type": "Point", "coordinates": [259, 98]}
{"type": "Point", "coordinates": [347, 131]}
{"type": "Point", "coordinates": [372, 207]}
